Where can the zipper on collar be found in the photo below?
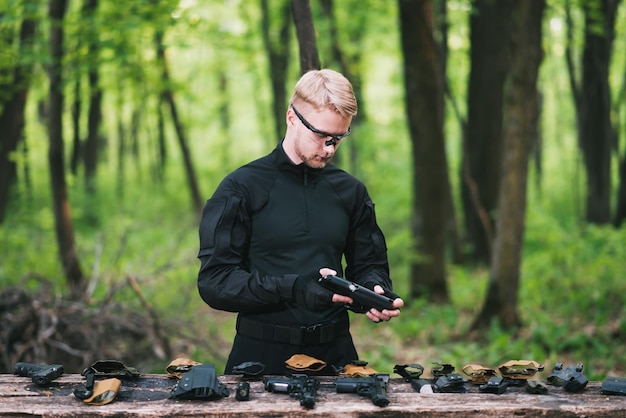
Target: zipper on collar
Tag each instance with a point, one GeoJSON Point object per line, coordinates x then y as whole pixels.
{"type": "Point", "coordinates": [307, 221]}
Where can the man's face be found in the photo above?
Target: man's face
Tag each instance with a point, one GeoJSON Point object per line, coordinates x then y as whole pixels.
{"type": "Point", "coordinates": [317, 135]}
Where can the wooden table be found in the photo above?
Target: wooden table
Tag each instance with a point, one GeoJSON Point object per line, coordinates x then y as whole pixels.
{"type": "Point", "coordinates": [148, 397]}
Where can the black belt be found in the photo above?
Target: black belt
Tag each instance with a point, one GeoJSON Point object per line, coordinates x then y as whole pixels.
{"type": "Point", "coordinates": [305, 335]}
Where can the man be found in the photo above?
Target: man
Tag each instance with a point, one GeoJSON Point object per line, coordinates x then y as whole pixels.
{"type": "Point", "coordinates": [275, 225]}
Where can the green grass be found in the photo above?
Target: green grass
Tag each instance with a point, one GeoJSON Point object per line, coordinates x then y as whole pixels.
{"type": "Point", "coordinates": [571, 303]}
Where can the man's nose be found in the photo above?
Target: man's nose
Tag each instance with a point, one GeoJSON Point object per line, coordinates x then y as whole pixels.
{"type": "Point", "coordinates": [329, 147]}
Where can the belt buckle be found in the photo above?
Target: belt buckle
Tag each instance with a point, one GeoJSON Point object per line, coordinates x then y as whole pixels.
{"type": "Point", "coordinates": [310, 334]}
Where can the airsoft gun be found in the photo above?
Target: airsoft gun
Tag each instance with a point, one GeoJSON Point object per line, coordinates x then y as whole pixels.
{"type": "Point", "coordinates": [298, 386]}
{"type": "Point", "coordinates": [374, 387]}
{"type": "Point", "coordinates": [42, 374]}
{"type": "Point", "coordinates": [363, 298]}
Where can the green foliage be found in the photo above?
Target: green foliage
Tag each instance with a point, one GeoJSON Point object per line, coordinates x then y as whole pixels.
{"type": "Point", "coordinates": [571, 293]}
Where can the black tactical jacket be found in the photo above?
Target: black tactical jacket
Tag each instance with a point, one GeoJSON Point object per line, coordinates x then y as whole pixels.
{"type": "Point", "coordinates": [269, 222]}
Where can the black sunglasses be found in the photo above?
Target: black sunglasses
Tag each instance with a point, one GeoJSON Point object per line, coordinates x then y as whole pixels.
{"type": "Point", "coordinates": [334, 139]}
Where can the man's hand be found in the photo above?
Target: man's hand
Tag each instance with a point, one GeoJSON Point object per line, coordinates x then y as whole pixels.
{"type": "Point", "coordinates": [386, 314]}
{"type": "Point", "coordinates": [337, 298]}
{"type": "Point", "coordinates": [372, 314]}
{"type": "Point", "coordinates": [307, 292]}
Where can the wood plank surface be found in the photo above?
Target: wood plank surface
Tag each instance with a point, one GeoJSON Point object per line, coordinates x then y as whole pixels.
{"type": "Point", "coordinates": [149, 397]}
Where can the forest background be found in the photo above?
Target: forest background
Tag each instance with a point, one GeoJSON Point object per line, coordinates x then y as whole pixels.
{"type": "Point", "coordinates": [117, 124]}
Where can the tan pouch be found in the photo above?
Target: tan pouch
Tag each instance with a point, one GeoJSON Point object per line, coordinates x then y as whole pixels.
{"type": "Point", "coordinates": [104, 391]}
{"type": "Point", "coordinates": [179, 366]}
{"type": "Point", "coordinates": [478, 374]}
{"type": "Point", "coordinates": [520, 369]}
{"type": "Point", "coordinates": [357, 370]}
{"type": "Point", "coordinates": [302, 362]}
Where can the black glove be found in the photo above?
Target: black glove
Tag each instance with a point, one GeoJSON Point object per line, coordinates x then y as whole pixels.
{"type": "Point", "coordinates": [308, 292]}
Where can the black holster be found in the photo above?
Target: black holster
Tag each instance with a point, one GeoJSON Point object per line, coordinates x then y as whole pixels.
{"type": "Point", "coordinates": [200, 382]}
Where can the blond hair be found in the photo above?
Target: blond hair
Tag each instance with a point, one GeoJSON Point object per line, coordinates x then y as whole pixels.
{"type": "Point", "coordinates": [326, 89]}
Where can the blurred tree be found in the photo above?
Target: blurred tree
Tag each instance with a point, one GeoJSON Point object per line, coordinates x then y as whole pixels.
{"type": "Point", "coordinates": [441, 37]}
{"type": "Point", "coordinates": [76, 111]}
{"type": "Point", "coordinates": [94, 114]}
{"type": "Point", "coordinates": [619, 129]}
{"type": "Point", "coordinates": [620, 211]}
{"type": "Point", "coordinates": [277, 44]}
{"type": "Point", "coordinates": [15, 78]}
{"type": "Point", "coordinates": [61, 204]}
{"type": "Point", "coordinates": [490, 23]}
{"type": "Point", "coordinates": [346, 54]}
{"type": "Point", "coordinates": [592, 97]}
{"type": "Point", "coordinates": [167, 95]}
{"type": "Point", "coordinates": [423, 95]}
{"type": "Point", "coordinates": [346, 57]}
{"type": "Point", "coordinates": [519, 131]}
{"type": "Point", "coordinates": [305, 29]}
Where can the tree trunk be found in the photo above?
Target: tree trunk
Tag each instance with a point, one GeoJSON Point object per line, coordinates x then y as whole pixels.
{"type": "Point", "coordinates": [305, 29]}
{"type": "Point", "coordinates": [94, 117]}
{"type": "Point", "coordinates": [620, 212]}
{"type": "Point", "coordinates": [133, 146]}
{"type": "Point", "coordinates": [423, 94]}
{"type": "Point", "coordinates": [441, 29]}
{"type": "Point", "coordinates": [225, 122]}
{"type": "Point", "coordinates": [121, 147]}
{"type": "Point", "coordinates": [76, 112]}
{"type": "Point", "coordinates": [277, 48]}
{"type": "Point", "coordinates": [595, 136]}
{"type": "Point", "coordinates": [12, 119]}
{"type": "Point", "coordinates": [348, 65]}
{"type": "Point", "coordinates": [168, 96]}
{"type": "Point", "coordinates": [519, 130]}
{"type": "Point", "coordinates": [620, 207]}
{"type": "Point", "coordinates": [161, 142]}
{"type": "Point", "coordinates": [482, 152]}
{"type": "Point", "coordinates": [61, 205]}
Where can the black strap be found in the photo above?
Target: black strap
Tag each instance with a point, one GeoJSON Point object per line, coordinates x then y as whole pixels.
{"type": "Point", "coordinates": [112, 368]}
{"type": "Point", "coordinates": [305, 335]}
{"type": "Point", "coordinates": [249, 370]}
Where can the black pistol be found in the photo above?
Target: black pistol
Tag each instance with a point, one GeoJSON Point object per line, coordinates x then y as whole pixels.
{"type": "Point", "coordinates": [374, 387]}
{"type": "Point", "coordinates": [299, 386]}
{"type": "Point", "coordinates": [42, 374]}
{"type": "Point", "coordinates": [363, 298]}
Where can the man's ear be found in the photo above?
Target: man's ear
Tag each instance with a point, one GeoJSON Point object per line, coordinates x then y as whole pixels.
{"type": "Point", "coordinates": [290, 117]}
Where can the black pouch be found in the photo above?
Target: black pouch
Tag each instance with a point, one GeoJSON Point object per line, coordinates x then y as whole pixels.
{"type": "Point", "coordinates": [200, 382]}
{"type": "Point", "coordinates": [536, 387]}
{"type": "Point", "coordinates": [571, 378]}
{"type": "Point", "coordinates": [104, 369]}
{"type": "Point", "coordinates": [451, 383]}
{"type": "Point", "coordinates": [409, 371]}
{"type": "Point", "coordinates": [614, 386]}
{"type": "Point", "coordinates": [111, 368]}
{"type": "Point", "coordinates": [495, 384]}
{"type": "Point", "coordinates": [441, 369]}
